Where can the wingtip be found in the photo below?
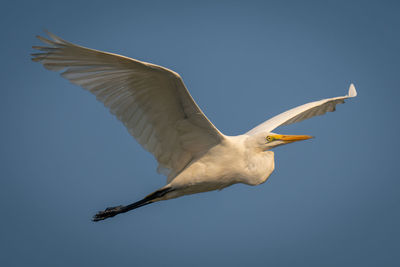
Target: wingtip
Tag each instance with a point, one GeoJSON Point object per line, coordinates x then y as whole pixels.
{"type": "Point", "coordinates": [53, 39]}
{"type": "Point", "coordinates": [352, 91]}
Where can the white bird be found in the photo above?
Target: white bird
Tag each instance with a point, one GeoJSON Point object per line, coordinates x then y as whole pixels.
{"type": "Point", "coordinates": [158, 111]}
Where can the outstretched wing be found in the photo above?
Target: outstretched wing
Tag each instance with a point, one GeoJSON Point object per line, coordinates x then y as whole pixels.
{"type": "Point", "coordinates": [151, 101]}
{"type": "Point", "coordinates": [303, 112]}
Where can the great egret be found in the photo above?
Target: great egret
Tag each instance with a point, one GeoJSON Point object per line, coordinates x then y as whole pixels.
{"type": "Point", "coordinates": [157, 109]}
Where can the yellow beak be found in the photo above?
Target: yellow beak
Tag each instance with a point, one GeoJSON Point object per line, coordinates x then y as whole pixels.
{"type": "Point", "coordinates": [292, 138]}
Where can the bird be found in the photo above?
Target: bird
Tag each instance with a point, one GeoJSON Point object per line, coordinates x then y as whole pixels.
{"type": "Point", "coordinates": [158, 111]}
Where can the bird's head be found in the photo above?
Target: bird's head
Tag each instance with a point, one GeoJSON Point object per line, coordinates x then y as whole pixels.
{"type": "Point", "coordinates": [267, 141]}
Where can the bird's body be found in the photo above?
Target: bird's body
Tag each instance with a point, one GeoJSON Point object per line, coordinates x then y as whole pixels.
{"type": "Point", "coordinates": [158, 111]}
{"type": "Point", "coordinates": [230, 162]}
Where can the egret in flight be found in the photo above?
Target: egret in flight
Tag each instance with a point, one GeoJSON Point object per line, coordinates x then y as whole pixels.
{"type": "Point", "coordinates": [159, 112]}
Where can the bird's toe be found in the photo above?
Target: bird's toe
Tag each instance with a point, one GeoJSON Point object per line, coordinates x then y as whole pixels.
{"type": "Point", "coordinates": [107, 213]}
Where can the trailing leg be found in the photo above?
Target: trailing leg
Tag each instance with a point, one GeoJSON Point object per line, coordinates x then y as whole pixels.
{"type": "Point", "coordinates": [112, 211]}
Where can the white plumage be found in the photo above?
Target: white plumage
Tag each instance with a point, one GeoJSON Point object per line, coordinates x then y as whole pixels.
{"type": "Point", "coordinates": [158, 111]}
{"type": "Point", "coordinates": [303, 112]}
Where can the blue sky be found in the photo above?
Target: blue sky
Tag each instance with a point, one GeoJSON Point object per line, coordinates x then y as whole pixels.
{"type": "Point", "coordinates": [332, 201]}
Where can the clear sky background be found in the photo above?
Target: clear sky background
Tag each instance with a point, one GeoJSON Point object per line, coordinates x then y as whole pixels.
{"type": "Point", "coordinates": [332, 201]}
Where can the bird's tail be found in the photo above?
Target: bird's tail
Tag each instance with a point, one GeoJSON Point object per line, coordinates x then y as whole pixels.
{"type": "Point", "coordinates": [112, 211]}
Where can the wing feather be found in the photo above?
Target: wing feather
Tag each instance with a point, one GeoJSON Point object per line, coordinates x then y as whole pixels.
{"type": "Point", "coordinates": [151, 101]}
{"type": "Point", "coordinates": [303, 112]}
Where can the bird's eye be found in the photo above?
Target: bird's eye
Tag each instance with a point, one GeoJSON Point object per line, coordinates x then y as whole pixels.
{"type": "Point", "coordinates": [269, 138]}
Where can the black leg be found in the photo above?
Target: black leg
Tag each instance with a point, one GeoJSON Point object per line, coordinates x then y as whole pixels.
{"type": "Point", "coordinates": [112, 211]}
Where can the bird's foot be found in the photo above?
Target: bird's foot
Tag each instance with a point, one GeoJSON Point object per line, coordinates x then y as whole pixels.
{"type": "Point", "coordinates": [107, 213]}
